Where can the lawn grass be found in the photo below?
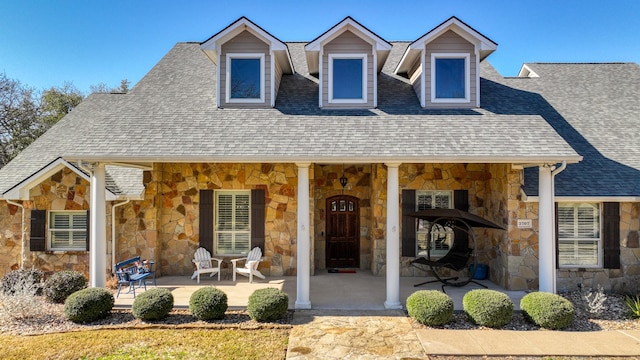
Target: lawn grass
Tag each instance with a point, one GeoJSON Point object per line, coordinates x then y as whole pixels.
{"type": "Point", "coordinates": [149, 344]}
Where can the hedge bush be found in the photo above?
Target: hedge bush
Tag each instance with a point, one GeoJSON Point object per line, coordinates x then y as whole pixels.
{"type": "Point", "coordinates": [153, 304]}
{"type": "Point", "coordinates": [267, 304]}
{"type": "Point", "coordinates": [21, 280]}
{"type": "Point", "coordinates": [62, 284]}
{"type": "Point", "coordinates": [430, 307]}
{"type": "Point", "coordinates": [208, 303]}
{"type": "Point", "coordinates": [88, 305]}
{"type": "Point", "coordinates": [488, 307]}
{"type": "Point", "coordinates": [547, 310]}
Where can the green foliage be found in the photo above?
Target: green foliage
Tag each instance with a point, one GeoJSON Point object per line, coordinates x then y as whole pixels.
{"type": "Point", "coordinates": [20, 118]}
{"type": "Point", "coordinates": [62, 284]}
{"type": "Point", "coordinates": [430, 307]}
{"type": "Point", "coordinates": [153, 304]}
{"type": "Point", "coordinates": [267, 304]}
{"type": "Point", "coordinates": [547, 310]}
{"type": "Point", "coordinates": [18, 280]}
{"type": "Point", "coordinates": [488, 307]}
{"type": "Point", "coordinates": [58, 102]}
{"type": "Point", "coordinates": [88, 305]}
{"type": "Point", "coordinates": [208, 303]}
{"type": "Point", "coordinates": [633, 304]}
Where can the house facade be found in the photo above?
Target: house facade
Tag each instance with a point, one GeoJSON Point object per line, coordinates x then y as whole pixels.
{"type": "Point", "coordinates": [316, 152]}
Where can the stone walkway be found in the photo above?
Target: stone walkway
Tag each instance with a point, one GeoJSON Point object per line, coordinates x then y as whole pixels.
{"type": "Point", "coordinates": [388, 334]}
{"type": "Point", "coordinates": [353, 335]}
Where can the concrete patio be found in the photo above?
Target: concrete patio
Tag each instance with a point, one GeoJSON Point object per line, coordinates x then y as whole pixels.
{"type": "Point", "coordinates": [328, 291]}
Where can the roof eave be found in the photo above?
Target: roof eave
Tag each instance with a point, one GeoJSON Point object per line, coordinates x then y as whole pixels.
{"type": "Point", "coordinates": [570, 159]}
{"type": "Point", "coordinates": [21, 190]}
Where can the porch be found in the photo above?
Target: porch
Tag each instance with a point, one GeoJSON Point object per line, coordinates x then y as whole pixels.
{"type": "Point", "coordinates": [328, 291]}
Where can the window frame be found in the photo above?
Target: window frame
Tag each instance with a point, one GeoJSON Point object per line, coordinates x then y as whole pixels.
{"type": "Point", "coordinates": [467, 77]}
{"type": "Point", "coordinates": [229, 58]}
{"type": "Point", "coordinates": [421, 231]}
{"type": "Point", "coordinates": [216, 224]}
{"type": "Point", "coordinates": [351, 56]}
{"type": "Point", "coordinates": [599, 240]}
{"type": "Point", "coordinates": [71, 230]}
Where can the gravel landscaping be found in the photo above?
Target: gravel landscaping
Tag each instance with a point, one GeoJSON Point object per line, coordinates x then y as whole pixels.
{"type": "Point", "coordinates": [51, 319]}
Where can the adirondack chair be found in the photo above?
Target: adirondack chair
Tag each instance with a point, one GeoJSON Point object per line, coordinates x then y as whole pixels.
{"type": "Point", "coordinates": [204, 264]}
{"type": "Point", "coordinates": [250, 267]}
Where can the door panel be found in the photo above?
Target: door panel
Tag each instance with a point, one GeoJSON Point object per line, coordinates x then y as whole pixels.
{"type": "Point", "coordinates": [343, 232]}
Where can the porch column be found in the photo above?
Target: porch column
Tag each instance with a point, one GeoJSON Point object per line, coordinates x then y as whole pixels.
{"type": "Point", "coordinates": [546, 221]}
{"type": "Point", "coordinates": [393, 238]}
{"type": "Point", "coordinates": [303, 244]}
{"type": "Point", "coordinates": [98, 234]}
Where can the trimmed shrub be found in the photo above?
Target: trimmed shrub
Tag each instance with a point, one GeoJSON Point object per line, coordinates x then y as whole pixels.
{"type": "Point", "coordinates": [18, 280]}
{"type": "Point", "coordinates": [430, 307]}
{"type": "Point", "coordinates": [208, 303]}
{"type": "Point", "coordinates": [62, 284]}
{"type": "Point", "coordinates": [88, 305]}
{"type": "Point", "coordinates": [267, 304]}
{"type": "Point", "coordinates": [488, 307]}
{"type": "Point", "coordinates": [547, 310]}
{"type": "Point", "coordinates": [153, 304]}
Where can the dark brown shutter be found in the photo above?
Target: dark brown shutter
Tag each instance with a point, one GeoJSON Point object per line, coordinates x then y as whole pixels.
{"type": "Point", "coordinates": [408, 223]}
{"type": "Point", "coordinates": [461, 202]}
{"type": "Point", "coordinates": [88, 237]}
{"type": "Point", "coordinates": [37, 240]}
{"type": "Point", "coordinates": [257, 218]}
{"type": "Point", "coordinates": [611, 234]}
{"type": "Point", "coordinates": [206, 220]}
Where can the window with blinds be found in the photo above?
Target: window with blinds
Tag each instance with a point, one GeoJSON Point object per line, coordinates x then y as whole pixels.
{"type": "Point", "coordinates": [441, 237]}
{"type": "Point", "coordinates": [232, 222]}
{"type": "Point", "coordinates": [579, 239]}
{"type": "Point", "coordinates": [67, 230]}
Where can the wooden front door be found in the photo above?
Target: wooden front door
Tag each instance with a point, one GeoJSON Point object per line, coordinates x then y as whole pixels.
{"type": "Point", "coordinates": [343, 232]}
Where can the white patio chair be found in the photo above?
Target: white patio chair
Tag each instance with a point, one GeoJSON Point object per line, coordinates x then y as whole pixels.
{"type": "Point", "coordinates": [204, 264]}
{"type": "Point", "coordinates": [250, 267]}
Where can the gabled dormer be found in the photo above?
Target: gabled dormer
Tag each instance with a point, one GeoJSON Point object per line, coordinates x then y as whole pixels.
{"type": "Point", "coordinates": [347, 59]}
{"type": "Point", "coordinates": [250, 63]}
{"type": "Point", "coordinates": [444, 65]}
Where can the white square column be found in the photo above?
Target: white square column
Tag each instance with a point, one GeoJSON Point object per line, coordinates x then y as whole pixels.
{"type": "Point", "coordinates": [546, 227]}
{"type": "Point", "coordinates": [303, 243]}
{"type": "Point", "coordinates": [393, 238]}
{"type": "Point", "coordinates": [97, 232]}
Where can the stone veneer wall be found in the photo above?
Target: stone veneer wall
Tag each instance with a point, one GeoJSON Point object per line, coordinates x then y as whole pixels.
{"type": "Point", "coordinates": [486, 183]}
{"type": "Point", "coordinates": [517, 258]}
{"type": "Point", "coordinates": [165, 225]}
{"type": "Point", "coordinates": [64, 190]}
{"type": "Point", "coordinates": [625, 279]}
{"type": "Point", "coordinates": [326, 185]}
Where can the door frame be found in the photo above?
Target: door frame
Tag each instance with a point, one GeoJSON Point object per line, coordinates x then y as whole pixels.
{"type": "Point", "coordinates": [328, 201]}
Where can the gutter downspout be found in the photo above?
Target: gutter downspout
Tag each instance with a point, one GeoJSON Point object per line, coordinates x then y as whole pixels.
{"type": "Point", "coordinates": [553, 229]}
{"type": "Point", "coordinates": [23, 229]}
{"type": "Point", "coordinates": [113, 232]}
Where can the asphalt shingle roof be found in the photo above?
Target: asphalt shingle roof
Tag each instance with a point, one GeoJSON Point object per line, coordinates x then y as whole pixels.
{"type": "Point", "coordinates": [596, 109]}
{"type": "Point", "coordinates": [171, 115]}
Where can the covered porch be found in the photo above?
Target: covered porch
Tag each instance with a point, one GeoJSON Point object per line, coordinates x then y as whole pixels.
{"type": "Point", "coordinates": [328, 291]}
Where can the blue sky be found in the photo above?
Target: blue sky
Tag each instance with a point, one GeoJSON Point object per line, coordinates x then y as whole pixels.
{"type": "Point", "coordinates": [45, 43]}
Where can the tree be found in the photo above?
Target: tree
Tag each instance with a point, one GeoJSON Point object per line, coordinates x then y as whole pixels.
{"type": "Point", "coordinates": [58, 102]}
{"type": "Point", "coordinates": [19, 118]}
{"type": "Point", "coordinates": [104, 88]}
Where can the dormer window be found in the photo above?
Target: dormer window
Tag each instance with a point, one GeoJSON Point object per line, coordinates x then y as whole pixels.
{"type": "Point", "coordinates": [450, 74]}
{"type": "Point", "coordinates": [347, 78]}
{"type": "Point", "coordinates": [443, 65]}
{"type": "Point", "coordinates": [245, 78]}
{"type": "Point", "coordinates": [250, 65]}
